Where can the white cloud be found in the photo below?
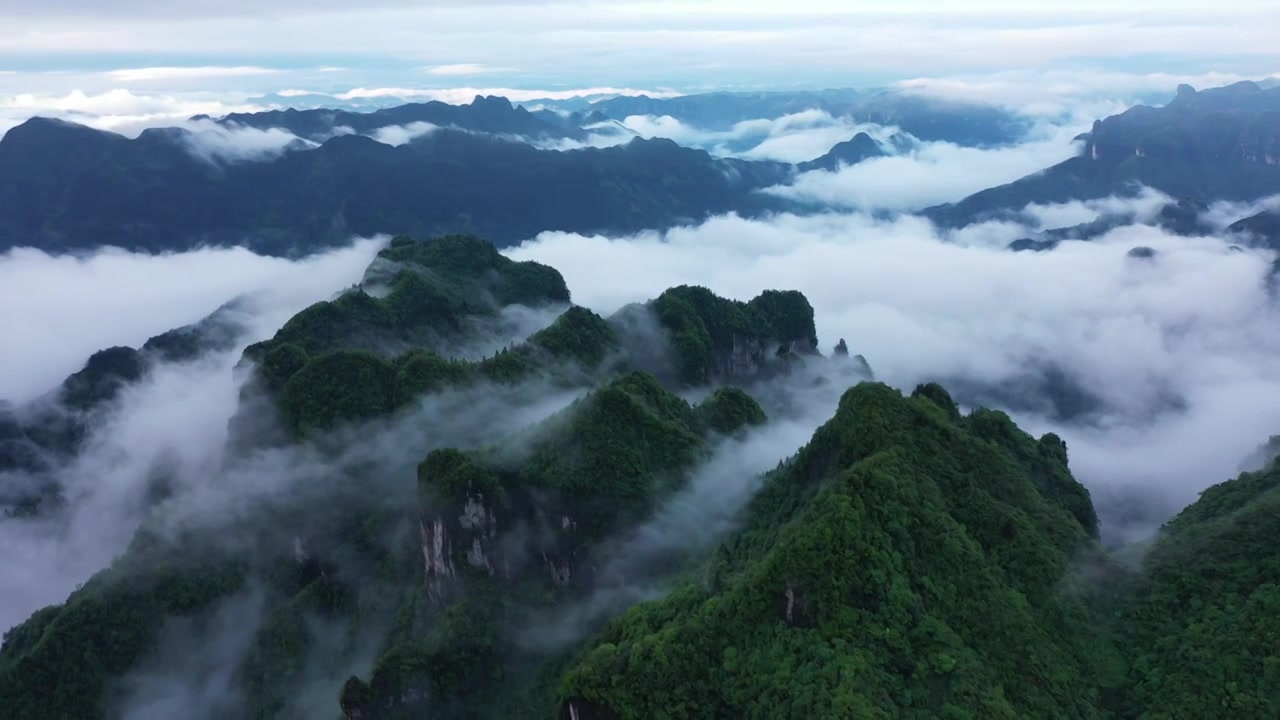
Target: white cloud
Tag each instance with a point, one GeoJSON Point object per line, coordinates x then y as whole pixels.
{"type": "Point", "coordinates": [933, 173]}
{"type": "Point", "coordinates": [118, 110]}
{"type": "Point", "coordinates": [1051, 92]}
{"type": "Point", "coordinates": [154, 74]}
{"type": "Point", "coordinates": [461, 69]}
{"type": "Point", "coordinates": [1141, 208]}
{"type": "Point", "coordinates": [397, 135]}
{"type": "Point", "coordinates": [216, 143]}
{"type": "Point", "coordinates": [601, 135]}
{"type": "Point", "coordinates": [564, 42]}
{"type": "Point", "coordinates": [463, 95]}
{"type": "Point", "coordinates": [1222, 214]}
{"type": "Point", "coordinates": [791, 138]}
{"type": "Point", "coordinates": [61, 309]}
{"type": "Point", "coordinates": [1195, 320]}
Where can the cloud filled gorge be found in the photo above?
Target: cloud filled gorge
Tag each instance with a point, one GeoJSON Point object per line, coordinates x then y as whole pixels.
{"type": "Point", "coordinates": [1179, 347]}
{"type": "Point", "coordinates": [170, 426]}
{"type": "Point", "coordinates": [933, 173]}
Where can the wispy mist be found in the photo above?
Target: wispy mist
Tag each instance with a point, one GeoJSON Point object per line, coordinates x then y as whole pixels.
{"type": "Point", "coordinates": [397, 135]}
{"type": "Point", "coordinates": [215, 143]}
{"type": "Point", "coordinates": [791, 138]}
{"type": "Point", "coordinates": [59, 309]}
{"type": "Point", "coordinates": [1178, 345]}
{"type": "Point", "coordinates": [166, 432]}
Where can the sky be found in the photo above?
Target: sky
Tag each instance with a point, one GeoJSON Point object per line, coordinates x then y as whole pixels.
{"type": "Point", "coordinates": [246, 46]}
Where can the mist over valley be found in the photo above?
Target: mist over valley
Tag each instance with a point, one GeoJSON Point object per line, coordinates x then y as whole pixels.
{"type": "Point", "coordinates": [472, 384]}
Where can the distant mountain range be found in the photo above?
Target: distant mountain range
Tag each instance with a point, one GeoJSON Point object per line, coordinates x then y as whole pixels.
{"type": "Point", "coordinates": [493, 115]}
{"type": "Point", "coordinates": [1219, 144]}
{"type": "Point", "coordinates": [485, 168]}
{"type": "Point", "coordinates": [963, 123]}
{"type": "Point", "coordinates": [65, 186]}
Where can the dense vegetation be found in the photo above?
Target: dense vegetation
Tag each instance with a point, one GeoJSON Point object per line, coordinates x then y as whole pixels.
{"type": "Point", "coordinates": [850, 152]}
{"type": "Point", "coordinates": [568, 483]}
{"type": "Point", "coordinates": [909, 561]}
{"type": "Point", "coordinates": [1204, 622]}
{"type": "Point", "coordinates": [713, 337]}
{"type": "Point", "coordinates": [363, 355]}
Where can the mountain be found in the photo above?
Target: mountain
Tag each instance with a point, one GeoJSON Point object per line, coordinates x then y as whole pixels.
{"type": "Point", "coordinates": [572, 120]}
{"type": "Point", "coordinates": [906, 561]}
{"type": "Point", "coordinates": [66, 187]}
{"type": "Point", "coordinates": [1201, 622]}
{"type": "Point", "coordinates": [722, 110]}
{"type": "Point", "coordinates": [1262, 229]}
{"type": "Point", "coordinates": [929, 119]}
{"type": "Point", "coordinates": [973, 124]}
{"type": "Point", "coordinates": [547, 530]}
{"type": "Point", "coordinates": [42, 435]}
{"type": "Point", "coordinates": [850, 152]}
{"type": "Point", "coordinates": [535, 506]}
{"type": "Point", "coordinates": [485, 114]}
{"type": "Point", "coordinates": [1219, 144]}
{"type": "Point", "coordinates": [1181, 217]}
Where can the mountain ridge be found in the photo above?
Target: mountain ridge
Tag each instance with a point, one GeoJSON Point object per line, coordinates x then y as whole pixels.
{"type": "Point", "coordinates": [907, 559]}
{"type": "Point", "coordinates": [1217, 144]}
{"type": "Point", "coordinates": [142, 194]}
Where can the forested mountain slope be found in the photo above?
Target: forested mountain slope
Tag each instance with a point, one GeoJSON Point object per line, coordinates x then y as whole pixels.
{"type": "Point", "coordinates": [1217, 144]}
{"type": "Point", "coordinates": [404, 526]}
{"type": "Point", "coordinates": [67, 187]}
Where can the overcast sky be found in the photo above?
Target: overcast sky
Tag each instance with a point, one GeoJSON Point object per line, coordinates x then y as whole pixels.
{"type": "Point", "coordinates": [54, 46]}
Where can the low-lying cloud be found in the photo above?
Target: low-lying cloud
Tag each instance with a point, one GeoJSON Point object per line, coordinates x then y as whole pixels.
{"type": "Point", "coordinates": [215, 143]}
{"type": "Point", "coordinates": [1222, 214]}
{"type": "Point", "coordinates": [1193, 324]}
{"type": "Point", "coordinates": [1141, 208]}
{"type": "Point", "coordinates": [637, 566]}
{"type": "Point", "coordinates": [933, 173]}
{"type": "Point", "coordinates": [791, 138]}
{"type": "Point", "coordinates": [118, 110]}
{"type": "Point", "coordinates": [59, 309]}
{"type": "Point", "coordinates": [1053, 92]}
{"type": "Point", "coordinates": [171, 425]}
{"type": "Point", "coordinates": [397, 135]}
{"type": "Point", "coordinates": [462, 95]}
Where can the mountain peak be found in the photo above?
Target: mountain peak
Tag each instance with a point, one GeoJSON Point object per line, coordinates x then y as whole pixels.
{"type": "Point", "coordinates": [43, 140]}
{"type": "Point", "coordinates": [496, 102]}
{"type": "Point", "coordinates": [850, 152]}
{"type": "Point", "coordinates": [41, 127]}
